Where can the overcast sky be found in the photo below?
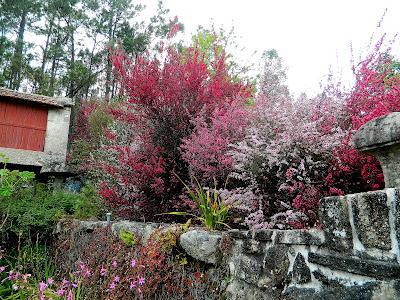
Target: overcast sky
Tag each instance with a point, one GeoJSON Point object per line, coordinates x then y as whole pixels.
{"type": "Point", "coordinates": [310, 35]}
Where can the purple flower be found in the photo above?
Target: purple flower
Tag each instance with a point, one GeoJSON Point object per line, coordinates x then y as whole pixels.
{"type": "Point", "coordinates": [140, 280]}
{"type": "Point", "coordinates": [74, 285]}
{"type": "Point", "coordinates": [60, 292]}
{"type": "Point", "coordinates": [114, 264]}
{"type": "Point", "coordinates": [133, 263]}
{"type": "Point", "coordinates": [116, 279]}
{"type": "Point", "coordinates": [133, 285]}
{"type": "Point", "coordinates": [103, 272]}
{"type": "Point", "coordinates": [112, 285]}
{"type": "Point", "coordinates": [50, 281]}
{"type": "Point", "coordinates": [70, 296]}
{"type": "Point", "coordinates": [42, 286]}
{"type": "Point", "coordinates": [65, 282]}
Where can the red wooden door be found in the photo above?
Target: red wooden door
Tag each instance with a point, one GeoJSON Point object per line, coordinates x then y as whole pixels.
{"type": "Point", "coordinates": [22, 125]}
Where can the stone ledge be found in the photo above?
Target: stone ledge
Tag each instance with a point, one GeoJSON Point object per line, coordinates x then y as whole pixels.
{"type": "Point", "coordinates": [366, 267]}
{"type": "Point", "coordinates": [300, 237]}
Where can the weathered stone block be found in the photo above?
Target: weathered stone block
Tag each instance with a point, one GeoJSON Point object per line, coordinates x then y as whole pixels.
{"type": "Point", "coordinates": [238, 234]}
{"type": "Point", "coordinates": [248, 268]}
{"type": "Point", "coordinates": [261, 234]}
{"type": "Point", "coordinates": [366, 267]}
{"type": "Point", "coordinates": [334, 216]}
{"type": "Point", "coordinates": [275, 267]}
{"type": "Point", "coordinates": [251, 246]}
{"type": "Point", "coordinates": [371, 219]}
{"type": "Point", "coordinates": [300, 237]}
{"type": "Point", "coordinates": [381, 138]}
{"type": "Point", "coordinates": [301, 272]}
{"type": "Point", "coordinates": [240, 290]}
{"type": "Point", "coordinates": [202, 245]}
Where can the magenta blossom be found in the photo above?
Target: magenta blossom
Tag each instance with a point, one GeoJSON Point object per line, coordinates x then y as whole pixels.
{"type": "Point", "coordinates": [133, 285]}
{"type": "Point", "coordinates": [112, 286]}
{"type": "Point", "coordinates": [114, 264]}
{"type": "Point", "coordinates": [50, 281]}
{"type": "Point", "coordinates": [133, 263]}
{"type": "Point", "coordinates": [42, 286]}
{"type": "Point", "coordinates": [140, 280]}
{"type": "Point", "coordinates": [103, 271]}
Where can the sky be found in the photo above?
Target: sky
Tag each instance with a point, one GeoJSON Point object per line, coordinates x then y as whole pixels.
{"type": "Point", "coordinates": [312, 36]}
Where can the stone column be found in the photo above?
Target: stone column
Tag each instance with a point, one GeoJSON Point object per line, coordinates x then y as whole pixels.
{"type": "Point", "coordinates": [381, 138]}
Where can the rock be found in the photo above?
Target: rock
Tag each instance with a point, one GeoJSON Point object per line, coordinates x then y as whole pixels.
{"type": "Point", "coordinates": [202, 245]}
{"type": "Point", "coordinates": [355, 265]}
{"type": "Point", "coordinates": [300, 237]}
{"type": "Point", "coordinates": [238, 234]}
{"type": "Point", "coordinates": [88, 226]}
{"type": "Point", "coordinates": [371, 219]}
{"type": "Point", "coordinates": [264, 235]}
{"type": "Point", "coordinates": [240, 290]}
{"type": "Point", "coordinates": [381, 137]}
{"type": "Point", "coordinates": [144, 230]}
{"type": "Point", "coordinates": [334, 216]}
{"type": "Point", "coordinates": [251, 246]}
{"type": "Point", "coordinates": [248, 268]}
{"type": "Point", "coordinates": [301, 272]}
{"type": "Point", "coordinates": [275, 267]}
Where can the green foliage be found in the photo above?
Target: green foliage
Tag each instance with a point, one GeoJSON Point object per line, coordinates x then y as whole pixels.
{"type": "Point", "coordinates": [128, 238]}
{"type": "Point", "coordinates": [10, 181]}
{"type": "Point", "coordinates": [213, 211]}
{"type": "Point", "coordinates": [34, 211]}
{"type": "Point", "coordinates": [88, 204]}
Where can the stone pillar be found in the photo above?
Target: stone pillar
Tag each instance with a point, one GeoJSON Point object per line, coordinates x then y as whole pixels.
{"type": "Point", "coordinates": [381, 138]}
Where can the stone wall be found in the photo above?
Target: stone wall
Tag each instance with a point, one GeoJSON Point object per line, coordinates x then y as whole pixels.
{"type": "Point", "coordinates": [355, 256]}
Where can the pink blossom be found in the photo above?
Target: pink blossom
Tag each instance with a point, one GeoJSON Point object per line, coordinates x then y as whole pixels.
{"type": "Point", "coordinates": [114, 264]}
{"type": "Point", "coordinates": [133, 285]}
{"type": "Point", "coordinates": [50, 281]}
{"type": "Point", "coordinates": [2, 269]}
{"type": "Point", "coordinates": [103, 272]}
{"type": "Point", "coordinates": [133, 263]}
{"type": "Point", "coordinates": [140, 280]}
{"type": "Point", "coordinates": [42, 286]}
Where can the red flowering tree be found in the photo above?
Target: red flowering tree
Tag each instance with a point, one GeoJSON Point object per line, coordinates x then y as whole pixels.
{"type": "Point", "coordinates": [165, 103]}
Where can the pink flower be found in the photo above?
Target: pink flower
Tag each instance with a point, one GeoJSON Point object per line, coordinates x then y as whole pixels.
{"type": "Point", "coordinates": [140, 280]}
{"type": "Point", "coordinates": [50, 281]}
{"type": "Point", "coordinates": [42, 286]}
{"type": "Point", "coordinates": [133, 285]}
{"type": "Point", "coordinates": [2, 269]}
{"type": "Point", "coordinates": [112, 285]}
{"type": "Point", "coordinates": [25, 277]}
{"type": "Point", "coordinates": [116, 279]}
{"type": "Point", "coordinates": [133, 263]}
{"type": "Point", "coordinates": [60, 292]}
{"type": "Point", "coordinates": [70, 296]}
{"type": "Point", "coordinates": [114, 264]}
{"type": "Point", "coordinates": [103, 272]}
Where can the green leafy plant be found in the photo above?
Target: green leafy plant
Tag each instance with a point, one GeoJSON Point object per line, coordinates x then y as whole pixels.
{"type": "Point", "coordinates": [88, 204]}
{"type": "Point", "coordinates": [12, 180]}
{"type": "Point", "coordinates": [213, 211]}
{"type": "Point", "coordinates": [128, 238]}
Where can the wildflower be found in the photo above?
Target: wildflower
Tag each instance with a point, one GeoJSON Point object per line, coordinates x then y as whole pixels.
{"type": "Point", "coordinates": [133, 285]}
{"type": "Point", "coordinates": [2, 269]}
{"type": "Point", "coordinates": [65, 282]}
{"type": "Point", "coordinates": [112, 285]}
{"type": "Point", "coordinates": [114, 264]}
{"type": "Point", "coordinates": [42, 286]}
{"type": "Point", "coordinates": [50, 281]}
{"type": "Point", "coordinates": [140, 280]}
{"type": "Point", "coordinates": [15, 287]}
{"type": "Point", "coordinates": [60, 292]}
{"type": "Point", "coordinates": [12, 276]}
{"type": "Point", "coordinates": [70, 296]}
{"type": "Point", "coordinates": [74, 285]}
{"type": "Point", "coordinates": [25, 277]}
{"type": "Point", "coordinates": [133, 263]}
{"type": "Point", "coordinates": [116, 279]}
{"type": "Point", "coordinates": [103, 272]}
